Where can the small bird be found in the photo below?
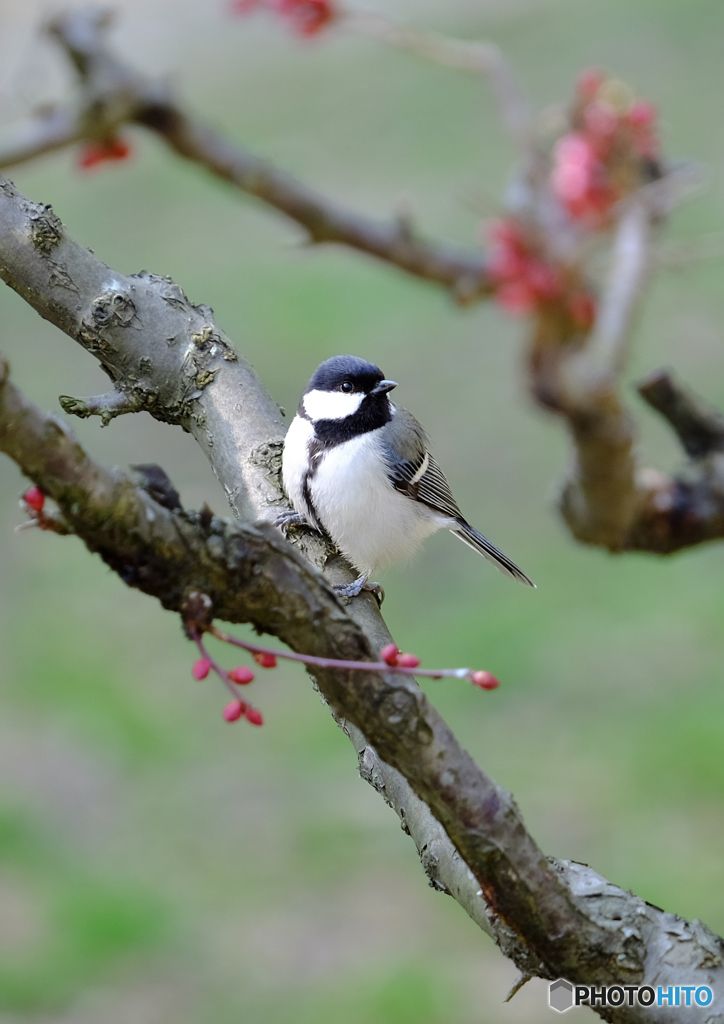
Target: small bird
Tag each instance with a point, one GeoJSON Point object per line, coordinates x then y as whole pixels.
{"type": "Point", "coordinates": [358, 469]}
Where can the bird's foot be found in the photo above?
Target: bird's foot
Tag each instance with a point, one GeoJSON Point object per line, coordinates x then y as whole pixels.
{"type": "Point", "coordinates": [289, 517]}
{"type": "Point", "coordinates": [360, 584]}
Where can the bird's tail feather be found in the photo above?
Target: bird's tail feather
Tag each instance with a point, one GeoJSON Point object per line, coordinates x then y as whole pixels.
{"type": "Point", "coordinates": [470, 536]}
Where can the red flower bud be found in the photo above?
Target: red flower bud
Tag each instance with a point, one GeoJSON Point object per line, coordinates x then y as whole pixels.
{"type": "Point", "coordinates": [307, 17]}
{"type": "Point", "coordinates": [241, 675]}
{"type": "Point", "coordinates": [254, 716]}
{"type": "Point", "coordinates": [408, 661]}
{"type": "Point", "coordinates": [265, 660]}
{"type": "Point", "coordinates": [233, 711]}
{"type": "Point", "coordinates": [35, 498]}
{"type": "Point", "coordinates": [484, 680]}
{"type": "Point", "coordinates": [94, 153]}
{"type": "Point", "coordinates": [390, 654]}
{"type": "Point", "coordinates": [201, 668]}
{"type": "Point", "coordinates": [642, 113]}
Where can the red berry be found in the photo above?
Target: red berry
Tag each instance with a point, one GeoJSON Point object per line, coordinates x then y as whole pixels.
{"type": "Point", "coordinates": [408, 661]}
{"type": "Point", "coordinates": [35, 498]}
{"type": "Point", "coordinates": [484, 680]}
{"type": "Point", "coordinates": [254, 716]}
{"type": "Point", "coordinates": [241, 675]}
{"type": "Point", "coordinates": [234, 711]}
{"type": "Point", "coordinates": [201, 668]}
{"type": "Point", "coordinates": [390, 654]}
{"type": "Point", "coordinates": [265, 660]}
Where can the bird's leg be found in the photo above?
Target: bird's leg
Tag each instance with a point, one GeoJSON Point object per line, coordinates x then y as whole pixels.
{"type": "Point", "coordinates": [360, 584]}
{"type": "Point", "coordinates": [290, 517]}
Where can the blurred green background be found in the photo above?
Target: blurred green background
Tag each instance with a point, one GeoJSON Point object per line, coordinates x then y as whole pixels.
{"type": "Point", "coordinates": [158, 865]}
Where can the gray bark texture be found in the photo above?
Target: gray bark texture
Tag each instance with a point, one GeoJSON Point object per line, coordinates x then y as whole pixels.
{"type": "Point", "coordinates": [168, 356]}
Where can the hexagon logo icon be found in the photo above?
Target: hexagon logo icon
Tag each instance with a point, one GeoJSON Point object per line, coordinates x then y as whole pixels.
{"type": "Point", "coordinates": [560, 995]}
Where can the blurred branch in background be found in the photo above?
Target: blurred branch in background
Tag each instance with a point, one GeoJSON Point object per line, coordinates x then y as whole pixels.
{"type": "Point", "coordinates": [553, 918]}
{"type": "Point", "coordinates": [113, 95]}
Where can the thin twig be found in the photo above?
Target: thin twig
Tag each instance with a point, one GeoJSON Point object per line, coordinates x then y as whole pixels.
{"type": "Point", "coordinates": [362, 666]}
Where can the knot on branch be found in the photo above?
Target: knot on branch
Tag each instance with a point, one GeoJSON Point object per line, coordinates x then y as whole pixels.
{"type": "Point", "coordinates": [46, 229]}
{"type": "Point", "coordinates": [114, 308]}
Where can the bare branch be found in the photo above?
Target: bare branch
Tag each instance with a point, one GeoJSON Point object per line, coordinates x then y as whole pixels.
{"type": "Point", "coordinates": [599, 364]}
{"type": "Point", "coordinates": [600, 496]}
{"type": "Point", "coordinates": [107, 406]}
{"type": "Point", "coordinates": [699, 427]}
{"type": "Point", "coordinates": [49, 130]}
{"type": "Point", "coordinates": [114, 95]}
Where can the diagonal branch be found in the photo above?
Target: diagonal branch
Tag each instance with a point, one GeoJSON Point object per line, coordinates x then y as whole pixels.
{"type": "Point", "coordinates": [112, 95]}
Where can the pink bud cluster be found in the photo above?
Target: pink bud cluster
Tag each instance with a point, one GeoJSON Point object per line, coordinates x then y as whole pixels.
{"type": "Point", "coordinates": [241, 676]}
{"type": "Point", "coordinates": [237, 709]}
{"type": "Point", "coordinates": [525, 281]}
{"type": "Point", "coordinates": [106, 151]}
{"type": "Point", "coordinates": [391, 655]}
{"type": "Point", "coordinates": [305, 17]}
{"type": "Point", "coordinates": [607, 155]}
{"type": "Point", "coordinates": [391, 659]}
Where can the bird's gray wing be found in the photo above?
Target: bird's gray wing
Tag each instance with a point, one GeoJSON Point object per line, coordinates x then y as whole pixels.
{"type": "Point", "coordinates": [414, 472]}
{"type": "Point", "coordinates": [412, 469]}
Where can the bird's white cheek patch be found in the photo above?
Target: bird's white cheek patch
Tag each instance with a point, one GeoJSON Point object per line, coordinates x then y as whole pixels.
{"type": "Point", "coordinates": [331, 405]}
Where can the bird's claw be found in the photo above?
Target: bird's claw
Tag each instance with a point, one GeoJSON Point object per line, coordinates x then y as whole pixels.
{"type": "Point", "coordinates": [358, 585]}
{"type": "Point", "coordinates": [289, 517]}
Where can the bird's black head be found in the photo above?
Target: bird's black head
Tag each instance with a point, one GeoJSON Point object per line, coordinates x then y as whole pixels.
{"type": "Point", "coordinates": [346, 396]}
{"type": "Point", "coordinates": [347, 374]}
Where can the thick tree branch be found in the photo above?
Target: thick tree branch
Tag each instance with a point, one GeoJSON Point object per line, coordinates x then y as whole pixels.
{"type": "Point", "coordinates": [552, 919]}
{"type": "Point", "coordinates": [113, 95]}
{"type": "Point", "coordinates": [600, 498]}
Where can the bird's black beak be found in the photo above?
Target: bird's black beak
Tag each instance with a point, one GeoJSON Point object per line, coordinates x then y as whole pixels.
{"type": "Point", "coordinates": [383, 387]}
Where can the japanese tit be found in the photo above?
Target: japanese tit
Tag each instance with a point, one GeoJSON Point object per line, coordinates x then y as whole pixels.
{"type": "Point", "coordinates": [357, 468]}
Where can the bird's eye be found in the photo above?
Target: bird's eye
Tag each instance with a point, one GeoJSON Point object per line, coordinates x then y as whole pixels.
{"type": "Point", "coordinates": [347, 386]}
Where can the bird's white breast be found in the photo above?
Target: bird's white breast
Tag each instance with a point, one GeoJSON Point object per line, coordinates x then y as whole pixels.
{"type": "Point", "coordinates": [369, 521]}
{"type": "Point", "coordinates": [295, 463]}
